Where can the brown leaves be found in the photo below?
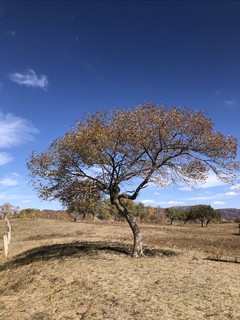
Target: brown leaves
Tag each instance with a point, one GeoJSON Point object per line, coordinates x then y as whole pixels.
{"type": "Point", "coordinates": [151, 142]}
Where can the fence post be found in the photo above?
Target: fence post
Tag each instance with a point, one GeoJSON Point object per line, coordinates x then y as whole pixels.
{"type": "Point", "coordinates": [5, 242]}
{"type": "Point", "coordinates": [7, 238]}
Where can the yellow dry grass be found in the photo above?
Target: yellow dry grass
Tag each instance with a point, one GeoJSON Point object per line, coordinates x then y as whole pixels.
{"type": "Point", "coordinates": [63, 270]}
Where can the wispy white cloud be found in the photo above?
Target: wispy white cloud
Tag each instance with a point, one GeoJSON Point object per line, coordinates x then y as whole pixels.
{"type": "Point", "coordinates": [231, 104]}
{"type": "Point", "coordinates": [159, 203]}
{"type": "Point", "coordinates": [4, 196]}
{"type": "Point", "coordinates": [148, 201]}
{"type": "Point", "coordinates": [218, 203]}
{"type": "Point", "coordinates": [8, 182]}
{"type": "Point", "coordinates": [14, 131]}
{"type": "Point", "coordinates": [176, 203]}
{"type": "Point", "coordinates": [231, 194]}
{"type": "Point", "coordinates": [235, 187]}
{"type": "Point", "coordinates": [5, 158]}
{"type": "Point", "coordinates": [26, 201]}
{"type": "Point", "coordinates": [212, 197]}
{"type": "Point", "coordinates": [30, 79]}
{"type": "Point", "coordinates": [211, 181]}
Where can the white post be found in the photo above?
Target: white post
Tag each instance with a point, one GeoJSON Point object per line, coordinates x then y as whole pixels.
{"type": "Point", "coordinates": [9, 236]}
{"type": "Point", "coordinates": [8, 223]}
{"type": "Point", "coordinates": [5, 241]}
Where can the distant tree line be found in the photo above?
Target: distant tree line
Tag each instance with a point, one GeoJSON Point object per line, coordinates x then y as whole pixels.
{"type": "Point", "coordinates": [104, 210]}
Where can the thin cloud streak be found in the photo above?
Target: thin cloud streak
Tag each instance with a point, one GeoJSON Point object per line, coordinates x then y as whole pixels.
{"type": "Point", "coordinates": [30, 79]}
{"type": "Point", "coordinates": [212, 197]}
{"type": "Point", "coordinates": [14, 131]}
{"type": "Point", "coordinates": [231, 194]}
{"type": "Point", "coordinates": [230, 102]}
{"type": "Point", "coordinates": [8, 182]}
{"type": "Point", "coordinates": [218, 203]}
{"type": "Point", "coordinates": [149, 202]}
{"type": "Point", "coordinates": [5, 158]}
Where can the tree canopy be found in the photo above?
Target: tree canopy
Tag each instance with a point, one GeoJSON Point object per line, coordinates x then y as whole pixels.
{"type": "Point", "coordinates": [7, 209]}
{"type": "Point", "coordinates": [204, 213]}
{"type": "Point", "coordinates": [120, 152]}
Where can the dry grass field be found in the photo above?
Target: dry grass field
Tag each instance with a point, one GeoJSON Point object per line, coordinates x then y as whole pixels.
{"type": "Point", "coordinates": [65, 270]}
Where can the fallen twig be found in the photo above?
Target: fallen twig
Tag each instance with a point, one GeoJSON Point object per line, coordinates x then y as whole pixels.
{"type": "Point", "coordinates": [83, 316]}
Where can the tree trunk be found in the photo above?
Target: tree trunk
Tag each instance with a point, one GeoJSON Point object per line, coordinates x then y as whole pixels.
{"type": "Point", "coordinates": [137, 236]}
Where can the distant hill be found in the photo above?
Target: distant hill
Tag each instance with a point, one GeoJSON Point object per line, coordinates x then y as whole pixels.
{"type": "Point", "coordinates": [230, 213]}
{"type": "Point", "coordinates": [227, 213]}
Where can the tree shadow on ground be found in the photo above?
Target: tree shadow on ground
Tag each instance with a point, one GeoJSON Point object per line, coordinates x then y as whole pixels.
{"type": "Point", "coordinates": [77, 250]}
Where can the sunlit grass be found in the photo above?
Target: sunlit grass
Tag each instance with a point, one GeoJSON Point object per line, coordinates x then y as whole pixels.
{"type": "Point", "coordinates": [60, 280]}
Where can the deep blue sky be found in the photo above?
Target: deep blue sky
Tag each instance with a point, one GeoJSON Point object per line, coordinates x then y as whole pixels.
{"type": "Point", "coordinates": [61, 59]}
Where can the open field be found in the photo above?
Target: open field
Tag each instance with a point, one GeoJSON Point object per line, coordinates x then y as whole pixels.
{"type": "Point", "coordinates": [65, 270]}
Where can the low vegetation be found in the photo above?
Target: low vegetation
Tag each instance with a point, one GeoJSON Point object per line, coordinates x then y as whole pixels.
{"type": "Point", "coordinates": [59, 269]}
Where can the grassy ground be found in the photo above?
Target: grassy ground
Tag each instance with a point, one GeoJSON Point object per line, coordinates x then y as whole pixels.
{"type": "Point", "coordinates": [65, 270]}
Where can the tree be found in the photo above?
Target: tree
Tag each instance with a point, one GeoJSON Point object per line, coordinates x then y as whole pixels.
{"type": "Point", "coordinates": [150, 214]}
{"type": "Point", "coordinates": [140, 211]}
{"type": "Point", "coordinates": [161, 215]}
{"type": "Point", "coordinates": [122, 151]}
{"type": "Point", "coordinates": [173, 214]}
{"type": "Point", "coordinates": [110, 210]}
{"type": "Point", "coordinates": [204, 214]}
{"type": "Point", "coordinates": [8, 209]}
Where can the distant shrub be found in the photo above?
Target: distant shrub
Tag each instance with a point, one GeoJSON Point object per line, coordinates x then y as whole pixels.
{"type": "Point", "coordinates": [31, 213]}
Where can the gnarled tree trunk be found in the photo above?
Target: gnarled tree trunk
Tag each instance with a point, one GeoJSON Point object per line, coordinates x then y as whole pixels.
{"type": "Point", "coordinates": [137, 246]}
{"type": "Point", "coordinates": [137, 236]}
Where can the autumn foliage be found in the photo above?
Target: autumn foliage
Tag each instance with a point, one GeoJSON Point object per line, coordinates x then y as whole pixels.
{"type": "Point", "coordinates": [120, 152]}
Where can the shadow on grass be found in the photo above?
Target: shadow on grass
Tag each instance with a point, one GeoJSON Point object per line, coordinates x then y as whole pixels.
{"type": "Point", "coordinates": [76, 249]}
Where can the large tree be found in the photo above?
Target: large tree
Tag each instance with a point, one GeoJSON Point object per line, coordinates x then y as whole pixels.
{"type": "Point", "coordinates": [120, 152]}
{"type": "Point", "coordinates": [205, 214]}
